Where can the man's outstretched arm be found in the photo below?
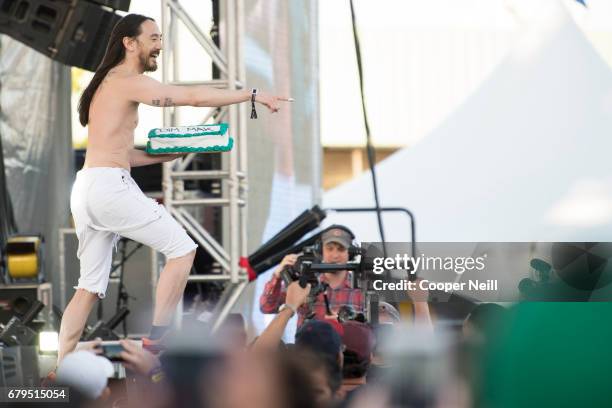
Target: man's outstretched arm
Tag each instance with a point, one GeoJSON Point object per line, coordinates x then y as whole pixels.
{"type": "Point", "coordinates": [143, 89]}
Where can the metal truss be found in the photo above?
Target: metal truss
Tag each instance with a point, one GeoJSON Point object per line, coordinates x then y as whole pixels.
{"type": "Point", "coordinates": [229, 60]}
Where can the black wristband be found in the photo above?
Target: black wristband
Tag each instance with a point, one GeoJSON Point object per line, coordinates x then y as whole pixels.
{"type": "Point", "coordinates": [253, 111]}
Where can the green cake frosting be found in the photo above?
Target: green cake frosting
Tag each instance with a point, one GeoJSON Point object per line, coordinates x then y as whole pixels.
{"type": "Point", "coordinates": [185, 149]}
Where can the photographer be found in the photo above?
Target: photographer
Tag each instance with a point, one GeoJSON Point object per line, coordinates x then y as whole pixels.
{"type": "Point", "coordinates": [335, 243]}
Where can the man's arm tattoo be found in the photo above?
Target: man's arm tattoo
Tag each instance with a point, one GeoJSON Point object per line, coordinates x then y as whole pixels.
{"type": "Point", "coordinates": [168, 102]}
{"type": "Point", "coordinates": [155, 102]}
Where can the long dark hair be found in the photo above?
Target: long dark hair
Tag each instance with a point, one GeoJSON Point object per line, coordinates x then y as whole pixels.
{"type": "Point", "coordinates": [128, 26]}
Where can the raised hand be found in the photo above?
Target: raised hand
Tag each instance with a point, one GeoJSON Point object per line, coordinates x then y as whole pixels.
{"type": "Point", "coordinates": [138, 359]}
{"type": "Point", "coordinates": [288, 260]}
{"type": "Point", "coordinates": [297, 295]}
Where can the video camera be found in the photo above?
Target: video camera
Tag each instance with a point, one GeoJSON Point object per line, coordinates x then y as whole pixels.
{"type": "Point", "coordinates": [310, 265]}
{"type": "Point", "coordinates": [301, 271]}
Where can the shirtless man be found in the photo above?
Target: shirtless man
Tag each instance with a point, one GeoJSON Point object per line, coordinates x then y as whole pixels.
{"type": "Point", "coordinates": [105, 202]}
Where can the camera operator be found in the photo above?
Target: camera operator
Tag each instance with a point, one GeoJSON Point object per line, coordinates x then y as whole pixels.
{"type": "Point", "coordinates": [335, 243]}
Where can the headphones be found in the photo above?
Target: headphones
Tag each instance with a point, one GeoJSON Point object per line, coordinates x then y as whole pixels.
{"type": "Point", "coordinates": [353, 249]}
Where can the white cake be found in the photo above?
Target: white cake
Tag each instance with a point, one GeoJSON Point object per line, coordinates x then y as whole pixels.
{"type": "Point", "coordinates": [190, 139]}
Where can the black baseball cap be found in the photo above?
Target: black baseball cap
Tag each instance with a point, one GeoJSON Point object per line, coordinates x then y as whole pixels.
{"type": "Point", "coordinates": [319, 337]}
{"type": "Point", "coordinates": [337, 235]}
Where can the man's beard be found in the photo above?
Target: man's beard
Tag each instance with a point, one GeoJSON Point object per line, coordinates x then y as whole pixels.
{"type": "Point", "coordinates": [148, 63]}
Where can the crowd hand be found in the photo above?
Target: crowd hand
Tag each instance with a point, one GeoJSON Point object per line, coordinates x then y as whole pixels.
{"type": "Point", "coordinates": [418, 294]}
{"type": "Point", "coordinates": [138, 359]}
{"type": "Point", "coordinates": [288, 260]}
{"type": "Point", "coordinates": [420, 297]}
{"type": "Point", "coordinates": [95, 346]}
{"type": "Point", "coordinates": [297, 295]}
{"type": "Point", "coordinates": [271, 101]}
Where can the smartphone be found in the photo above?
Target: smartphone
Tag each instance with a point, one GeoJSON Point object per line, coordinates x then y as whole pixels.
{"type": "Point", "coordinates": [112, 350]}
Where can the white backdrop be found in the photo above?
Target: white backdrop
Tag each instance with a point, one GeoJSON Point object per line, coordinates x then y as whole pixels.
{"type": "Point", "coordinates": [525, 158]}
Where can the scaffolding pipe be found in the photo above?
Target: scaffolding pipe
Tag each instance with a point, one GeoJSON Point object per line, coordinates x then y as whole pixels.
{"type": "Point", "coordinates": [229, 58]}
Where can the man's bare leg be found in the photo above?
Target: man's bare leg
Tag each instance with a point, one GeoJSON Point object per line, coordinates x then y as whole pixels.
{"type": "Point", "coordinates": [170, 288]}
{"type": "Point", "coordinates": [73, 321]}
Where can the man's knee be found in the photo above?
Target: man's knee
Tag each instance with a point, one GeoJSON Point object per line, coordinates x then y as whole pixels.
{"type": "Point", "coordinates": [183, 262]}
{"type": "Point", "coordinates": [83, 295]}
{"type": "Point", "coordinates": [176, 255]}
{"type": "Point", "coordinates": [189, 257]}
{"type": "Point", "coordinates": [192, 255]}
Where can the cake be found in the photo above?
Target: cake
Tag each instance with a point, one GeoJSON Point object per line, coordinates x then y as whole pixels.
{"type": "Point", "coordinates": [190, 139]}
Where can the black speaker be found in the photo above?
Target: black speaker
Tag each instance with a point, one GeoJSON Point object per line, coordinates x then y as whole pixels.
{"type": "Point", "coordinates": [123, 5]}
{"type": "Point", "coordinates": [74, 32]}
{"type": "Point", "coordinates": [83, 39]}
{"type": "Point", "coordinates": [35, 23]}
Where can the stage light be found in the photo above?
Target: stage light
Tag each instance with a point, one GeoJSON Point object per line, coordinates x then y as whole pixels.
{"type": "Point", "coordinates": [48, 342]}
{"type": "Point", "coordinates": [48, 338]}
{"type": "Point", "coordinates": [24, 257]}
{"type": "Point", "coordinates": [16, 332]}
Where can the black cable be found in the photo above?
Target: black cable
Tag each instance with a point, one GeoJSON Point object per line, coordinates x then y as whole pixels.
{"type": "Point", "coordinates": [328, 310]}
{"type": "Point", "coordinates": [369, 148]}
{"type": "Point", "coordinates": [122, 295]}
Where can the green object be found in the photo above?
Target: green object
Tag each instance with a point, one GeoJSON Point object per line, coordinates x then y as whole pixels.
{"type": "Point", "coordinates": [211, 149]}
{"type": "Point", "coordinates": [549, 355]}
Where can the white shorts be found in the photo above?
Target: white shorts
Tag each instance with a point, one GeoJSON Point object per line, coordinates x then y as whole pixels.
{"type": "Point", "coordinates": [107, 204]}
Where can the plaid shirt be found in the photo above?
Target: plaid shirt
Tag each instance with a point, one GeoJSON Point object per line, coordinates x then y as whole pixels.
{"type": "Point", "coordinates": [274, 293]}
